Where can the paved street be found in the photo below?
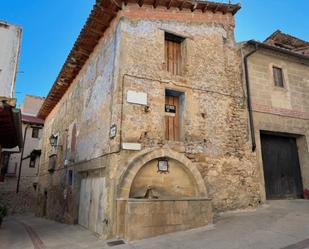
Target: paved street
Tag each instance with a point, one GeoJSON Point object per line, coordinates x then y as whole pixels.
{"type": "Point", "coordinates": [279, 224]}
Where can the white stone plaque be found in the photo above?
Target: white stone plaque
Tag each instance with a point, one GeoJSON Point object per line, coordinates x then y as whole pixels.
{"type": "Point", "coordinates": [139, 98]}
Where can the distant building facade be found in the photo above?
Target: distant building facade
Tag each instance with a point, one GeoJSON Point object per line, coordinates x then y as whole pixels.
{"type": "Point", "coordinates": [10, 36]}
{"type": "Point", "coordinates": [18, 191]}
{"type": "Point", "coordinates": [278, 79]}
{"type": "Point", "coordinates": [10, 117]}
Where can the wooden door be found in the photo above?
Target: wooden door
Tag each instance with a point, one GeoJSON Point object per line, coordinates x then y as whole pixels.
{"type": "Point", "coordinates": [91, 203]}
{"type": "Point", "coordinates": [96, 211]}
{"type": "Point", "coordinates": [281, 167]}
{"type": "Point", "coordinates": [172, 118]}
{"type": "Point", "coordinates": [84, 202]}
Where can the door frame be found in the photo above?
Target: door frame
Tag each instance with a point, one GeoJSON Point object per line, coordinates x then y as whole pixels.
{"type": "Point", "coordinates": [279, 134]}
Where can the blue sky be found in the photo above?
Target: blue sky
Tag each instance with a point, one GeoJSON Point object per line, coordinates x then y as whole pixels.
{"type": "Point", "coordinates": [50, 29]}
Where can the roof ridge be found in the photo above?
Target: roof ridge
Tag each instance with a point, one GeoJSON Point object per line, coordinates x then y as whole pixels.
{"type": "Point", "coordinates": [278, 31]}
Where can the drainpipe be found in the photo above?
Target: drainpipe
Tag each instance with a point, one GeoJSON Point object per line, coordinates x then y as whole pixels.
{"type": "Point", "coordinates": [249, 103]}
{"type": "Point", "coordinates": [21, 159]}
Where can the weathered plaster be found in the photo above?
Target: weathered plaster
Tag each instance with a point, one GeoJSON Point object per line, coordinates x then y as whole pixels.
{"type": "Point", "coordinates": [10, 37]}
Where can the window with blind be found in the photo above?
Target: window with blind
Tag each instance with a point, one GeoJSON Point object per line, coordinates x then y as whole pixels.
{"type": "Point", "coordinates": [278, 76]}
{"type": "Point", "coordinates": [173, 56]}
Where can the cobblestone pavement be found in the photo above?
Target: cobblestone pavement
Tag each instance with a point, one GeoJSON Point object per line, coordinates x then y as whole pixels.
{"type": "Point", "coordinates": [277, 225]}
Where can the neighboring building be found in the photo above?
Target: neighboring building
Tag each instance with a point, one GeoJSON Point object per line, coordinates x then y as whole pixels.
{"type": "Point", "coordinates": [146, 126]}
{"type": "Point", "coordinates": [18, 191]}
{"type": "Point", "coordinates": [278, 78]}
{"type": "Point", "coordinates": [10, 36]}
{"type": "Point", "coordinates": [10, 118]}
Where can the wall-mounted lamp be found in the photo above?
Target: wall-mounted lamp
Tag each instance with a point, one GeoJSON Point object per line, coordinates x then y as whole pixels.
{"type": "Point", "coordinates": [163, 165]}
{"type": "Point", "coordinates": [53, 140]}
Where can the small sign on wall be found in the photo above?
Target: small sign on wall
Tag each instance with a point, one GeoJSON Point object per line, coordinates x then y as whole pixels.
{"type": "Point", "coordinates": [170, 108]}
{"type": "Point", "coordinates": [163, 165]}
{"type": "Point", "coordinates": [113, 131]}
{"type": "Point", "coordinates": [139, 98]}
{"type": "Point", "coordinates": [131, 146]}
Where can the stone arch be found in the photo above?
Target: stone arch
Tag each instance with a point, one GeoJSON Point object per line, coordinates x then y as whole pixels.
{"type": "Point", "coordinates": [138, 161]}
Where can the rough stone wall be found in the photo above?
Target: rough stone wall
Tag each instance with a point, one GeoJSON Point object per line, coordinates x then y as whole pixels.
{"type": "Point", "coordinates": [21, 202]}
{"type": "Point", "coordinates": [151, 217]}
{"type": "Point", "coordinates": [24, 201]}
{"type": "Point", "coordinates": [278, 109]}
{"type": "Point", "coordinates": [87, 104]}
{"type": "Point", "coordinates": [214, 126]}
{"type": "Point", "coordinates": [214, 130]}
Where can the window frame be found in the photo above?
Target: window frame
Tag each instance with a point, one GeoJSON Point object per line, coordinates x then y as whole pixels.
{"type": "Point", "coordinates": [178, 136]}
{"type": "Point", "coordinates": [35, 135]}
{"type": "Point", "coordinates": [32, 160]}
{"type": "Point", "coordinates": [174, 58]}
{"type": "Point", "coordinates": [276, 78]}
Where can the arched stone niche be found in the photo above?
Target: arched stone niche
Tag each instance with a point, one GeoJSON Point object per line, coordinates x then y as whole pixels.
{"type": "Point", "coordinates": [153, 184]}
{"type": "Point", "coordinates": [178, 199]}
{"type": "Point", "coordinates": [145, 161]}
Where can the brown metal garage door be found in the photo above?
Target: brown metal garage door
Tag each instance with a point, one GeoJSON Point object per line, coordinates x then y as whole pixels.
{"type": "Point", "coordinates": [281, 167]}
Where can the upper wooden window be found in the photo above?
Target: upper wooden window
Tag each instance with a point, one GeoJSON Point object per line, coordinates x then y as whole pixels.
{"type": "Point", "coordinates": [173, 56]}
{"type": "Point", "coordinates": [278, 76]}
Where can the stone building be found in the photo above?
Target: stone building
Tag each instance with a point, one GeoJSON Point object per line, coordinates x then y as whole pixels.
{"type": "Point", "coordinates": [18, 191]}
{"type": "Point", "coordinates": [10, 117]}
{"type": "Point", "coordinates": [146, 126]}
{"type": "Point", "coordinates": [278, 79]}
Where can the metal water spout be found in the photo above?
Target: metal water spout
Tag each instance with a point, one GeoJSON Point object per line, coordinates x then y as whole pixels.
{"type": "Point", "coordinates": [149, 194]}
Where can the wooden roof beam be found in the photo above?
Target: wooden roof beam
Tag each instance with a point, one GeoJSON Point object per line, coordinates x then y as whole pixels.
{"type": "Point", "coordinates": [169, 4]}
{"type": "Point", "coordinates": [140, 3]}
{"type": "Point", "coordinates": [118, 3]}
{"type": "Point", "coordinates": [99, 21]}
{"type": "Point", "coordinates": [205, 7]}
{"type": "Point", "coordinates": [216, 9]}
{"type": "Point", "coordinates": [193, 7]}
{"type": "Point", "coordinates": [155, 3]}
{"type": "Point", "coordinates": [181, 5]}
{"type": "Point", "coordinates": [98, 31]}
{"type": "Point", "coordinates": [225, 9]}
{"type": "Point", "coordinates": [106, 11]}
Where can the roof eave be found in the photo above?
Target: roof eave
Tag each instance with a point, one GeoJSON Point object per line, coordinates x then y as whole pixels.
{"type": "Point", "coordinates": [103, 12]}
{"type": "Point", "coordinates": [279, 50]}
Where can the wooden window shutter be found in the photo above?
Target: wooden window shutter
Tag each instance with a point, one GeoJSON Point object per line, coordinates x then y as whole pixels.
{"type": "Point", "coordinates": [173, 57]}
{"type": "Point", "coordinates": [278, 76]}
